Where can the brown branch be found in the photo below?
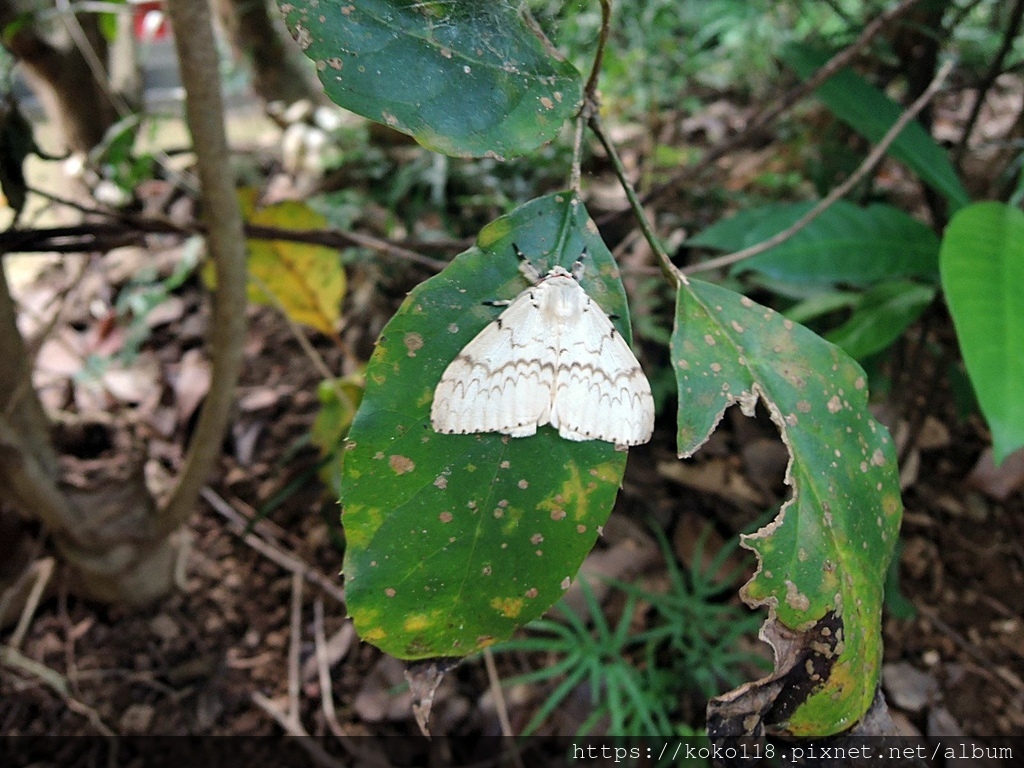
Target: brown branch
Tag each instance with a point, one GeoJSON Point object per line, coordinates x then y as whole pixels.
{"type": "Point", "coordinates": [199, 66]}
{"type": "Point", "coordinates": [127, 229]}
{"type": "Point", "coordinates": [770, 114]}
{"type": "Point", "coordinates": [870, 163]}
{"type": "Point", "coordinates": [995, 69]}
{"type": "Point", "coordinates": [669, 269]}
{"type": "Point", "coordinates": [590, 89]}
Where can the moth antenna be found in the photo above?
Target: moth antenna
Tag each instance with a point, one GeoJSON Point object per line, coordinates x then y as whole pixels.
{"type": "Point", "coordinates": [525, 266]}
{"type": "Point", "coordinates": [577, 266]}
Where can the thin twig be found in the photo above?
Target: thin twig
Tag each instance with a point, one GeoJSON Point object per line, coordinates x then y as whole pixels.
{"type": "Point", "coordinates": [44, 571]}
{"type": "Point", "coordinates": [498, 695]}
{"type": "Point", "coordinates": [770, 114]}
{"type": "Point", "coordinates": [590, 89]}
{"type": "Point", "coordinates": [317, 753]}
{"type": "Point", "coordinates": [294, 646]}
{"type": "Point", "coordinates": [667, 267]}
{"type": "Point", "coordinates": [225, 242]}
{"type": "Point", "coordinates": [92, 60]}
{"type": "Point", "coordinates": [323, 667]}
{"type": "Point", "coordinates": [286, 560]}
{"type": "Point", "coordinates": [334, 650]}
{"type": "Point", "coordinates": [866, 167]}
{"type": "Point", "coordinates": [590, 105]}
{"type": "Point", "coordinates": [57, 682]}
{"type": "Point", "coordinates": [366, 756]}
{"type": "Point", "coordinates": [576, 174]}
{"type": "Point", "coordinates": [994, 70]}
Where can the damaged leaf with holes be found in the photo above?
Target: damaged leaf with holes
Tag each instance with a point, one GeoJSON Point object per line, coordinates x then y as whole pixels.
{"type": "Point", "coordinates": [823, 559]}
{"type": "Point", "coordinates": [454, 541]}
{"type": "Point", "coordinates": [462, 78]}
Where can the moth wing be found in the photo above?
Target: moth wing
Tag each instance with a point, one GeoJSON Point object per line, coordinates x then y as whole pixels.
{"type": "Point", "coordinates": [502, 380]}
{"type": "Point", "coordinates": [601, 393]}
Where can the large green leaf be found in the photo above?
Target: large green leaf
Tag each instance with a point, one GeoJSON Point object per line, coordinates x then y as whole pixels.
{"type": "Point", "coordinates": [823, 559]}
{"type": "Point", "coordinates": [982, 263]}
{"type": "Point", "coordinates": [845, 244]}
{"type": "Point", "coordinates": [462, 78]}
{"type": "Point", "coordinates": [871, 113]}
{"type": "Point", "coordinates": [453, 541]}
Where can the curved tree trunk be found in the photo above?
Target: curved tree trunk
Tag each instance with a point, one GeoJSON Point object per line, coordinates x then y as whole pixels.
{"type": "Point", "coordinates": [123, 546]}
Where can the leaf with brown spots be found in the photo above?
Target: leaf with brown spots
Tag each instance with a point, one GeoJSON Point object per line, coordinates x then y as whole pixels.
{"type": "Point", "coordinates": [823, 559]}
{"type": "Point", "coordinates": [464, 79]}
{"type": "Point", "coordinates": [453, 541]}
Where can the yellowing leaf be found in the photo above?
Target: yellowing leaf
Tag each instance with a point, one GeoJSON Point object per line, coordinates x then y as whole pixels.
{"type": "Point", "coordinates": [305, 281]}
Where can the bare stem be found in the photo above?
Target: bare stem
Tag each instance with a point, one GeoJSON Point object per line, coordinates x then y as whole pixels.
{"type": "Point", "coordinates": [866, 167]}
{"type": "Point", "coordinates": [667, 267]}
{"type": "Point", "coordinates": [590, 90]}
{"type": "Point", "coordinates": [590, 103]}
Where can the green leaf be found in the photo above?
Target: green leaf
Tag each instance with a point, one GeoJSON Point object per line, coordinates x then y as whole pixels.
{"type": "Point", "coordinates": [881, 317]}
{"type": "Point", "coordinates": [871, 113]}
{"type": "Point", "coordinates": [453, 541]}
{"type": "Point", "coordinates": [305, 281]}
{"type": "Point", "coordinates": [462, 78]}
{"type": "Point", "coordinates": [820, 304]}
{"type": "Point", "coordinates": [823, 559]}
{"type": "Point", "coordinates": [845, 244]}
{"type": "Point", "coordinates": [982, 262]}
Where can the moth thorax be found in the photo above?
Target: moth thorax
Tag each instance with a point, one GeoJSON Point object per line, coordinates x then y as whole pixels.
{"type": "Point", "coordinates": [563, 299]}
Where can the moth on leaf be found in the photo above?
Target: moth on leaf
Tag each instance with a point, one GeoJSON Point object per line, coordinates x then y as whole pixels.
{"type": "Point", "coordinates": [551, 357]}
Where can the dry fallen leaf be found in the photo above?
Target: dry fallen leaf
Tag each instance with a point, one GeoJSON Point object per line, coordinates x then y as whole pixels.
{"type": "Point", "coordinates": [191, 383]}
{"type": "Point", "coordinates": [998, 482]}
{"type": "Point", "coordinates": [712, 476]}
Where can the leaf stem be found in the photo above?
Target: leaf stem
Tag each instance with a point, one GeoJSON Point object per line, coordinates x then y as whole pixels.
{"type": "Point", "coordinates": [870, 163]}
{"type": "Point", "coordinates": [590, 101]}
{"type": "Point", "coordinates": [667, 267]}
{"type": "Point", "coordinates": [590, 90]}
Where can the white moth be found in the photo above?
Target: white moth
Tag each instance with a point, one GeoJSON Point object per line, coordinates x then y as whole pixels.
{"type": "Point", "coordinates": [552, 357]}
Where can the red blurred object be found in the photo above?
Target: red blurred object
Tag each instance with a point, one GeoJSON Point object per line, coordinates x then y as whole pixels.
{"type": "Point", "coordinates": [150, 21]}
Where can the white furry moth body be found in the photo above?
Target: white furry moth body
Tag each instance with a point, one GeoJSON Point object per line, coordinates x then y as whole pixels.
{"type": "Point", "coordinates": [553, 356]}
